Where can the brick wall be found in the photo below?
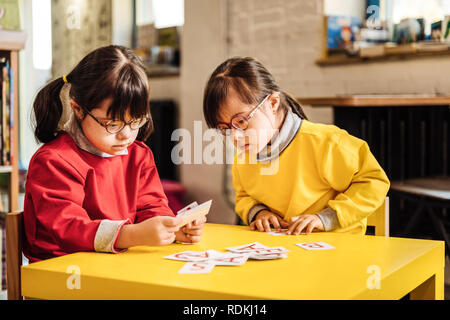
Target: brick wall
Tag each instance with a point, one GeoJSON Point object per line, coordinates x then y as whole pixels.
{"type": "Point", "coordinates": [286, 36]}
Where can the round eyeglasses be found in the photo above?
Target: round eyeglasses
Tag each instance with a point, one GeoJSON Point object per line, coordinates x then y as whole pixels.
{"type": "Point", "coordinates": [239, 121]}
{"type": "Point", "coordinates": [115, 126]}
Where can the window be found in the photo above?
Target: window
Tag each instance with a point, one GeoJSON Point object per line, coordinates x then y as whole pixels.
{"type": "Point", "coordinates": [163, 13]}
{"type": "Point", "coordinates": [156, 34]}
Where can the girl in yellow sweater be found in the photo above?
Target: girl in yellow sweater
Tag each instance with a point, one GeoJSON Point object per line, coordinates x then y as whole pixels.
{"type": "Point", "coordinates": [324, 178]}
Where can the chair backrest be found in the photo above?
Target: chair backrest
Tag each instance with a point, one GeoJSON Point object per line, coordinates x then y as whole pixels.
{"type": "Point", "coordinates": [14, 238]}
{"type": "Point", "coordinates": [380, 219]}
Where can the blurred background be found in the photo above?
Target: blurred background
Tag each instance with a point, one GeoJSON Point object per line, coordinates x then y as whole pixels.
{"type": "Point", "coordinates": [376, 68]}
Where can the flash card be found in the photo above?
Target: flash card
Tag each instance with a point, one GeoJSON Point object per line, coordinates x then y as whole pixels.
{"type": "Point", "coordinates": [188, 207]}
{"type": "Point", "coordinates": [197, 267]}
{"type": "Point", "coordinates": [270, 250]}
{"type": "Point", "coordinates": [267, 256]}
{"type": "Point", "coordinates": [194, 256]}
{"type": "Point", "coordinates": [248, 247]}
{"type": "Point", "coordinates": [231, 259]}
{"type": "Point", "coordinates": [315, 246]}
{"type": "Point", "coordinates": [195, 212]}
{"type": "Point", "coordinates": [281, 232]}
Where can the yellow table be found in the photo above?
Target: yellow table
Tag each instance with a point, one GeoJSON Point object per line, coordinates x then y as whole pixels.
{"type": "Point", "coordinates": [349, 271]}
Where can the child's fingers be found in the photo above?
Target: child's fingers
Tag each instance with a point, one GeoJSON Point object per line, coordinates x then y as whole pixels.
{"type": "Point", "coordinates": [259, 225]}
{"type": "Point", "coordinates": [194, 238]}
{"type": "Point", "coordinates": [170, 238]}
{"type": "Point", "coordinates": [301, 226]}
{"type": "Point", "coordinates": [310, 227]}
{"type": "Point", "coordinates": [282, 223]}
{"type": "Point", "coordinates": [292, 226]}
{"type": "Point", "coordinates": [275, 222]}
{"type": "Point", "coordinates": [196, 227]}
{"type": "Point", "coordinates": [171, 221]}
{"type": "Point", "coordinates": [252, 226]}
{"type": "Point", "coordinates": [171, 229]}
{"type": "Point", "coordinates": [266, 225]}
{"type": "Point", "coordinates": [294, 219]}
{"type": "Point", "coordinates": [194, 232]}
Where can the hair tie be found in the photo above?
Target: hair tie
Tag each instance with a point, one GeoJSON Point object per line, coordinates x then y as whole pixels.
{"type": "Point", "coordinates": [65, 79]}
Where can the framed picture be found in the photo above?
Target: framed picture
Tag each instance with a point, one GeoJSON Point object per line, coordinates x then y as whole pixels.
{"type": "Point", "coordinates": [9, 15]}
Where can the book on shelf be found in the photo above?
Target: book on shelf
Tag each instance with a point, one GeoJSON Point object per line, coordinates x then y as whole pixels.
{"type": "Point", "coordinates": [392, 48]}
{"type": "Point", "coordinates": [367, 51]}
{"type": "Point", "coordinates": [6, 112]}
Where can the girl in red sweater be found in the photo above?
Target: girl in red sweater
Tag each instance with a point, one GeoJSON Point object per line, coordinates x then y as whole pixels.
{"type": "Point", "coordinates": [93, 185]}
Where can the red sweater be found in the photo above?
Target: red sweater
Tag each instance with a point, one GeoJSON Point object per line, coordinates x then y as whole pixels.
{"type": "Point", "coordinates": [70, 191]}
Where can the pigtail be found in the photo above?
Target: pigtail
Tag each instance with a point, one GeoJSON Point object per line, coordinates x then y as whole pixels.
{"type": "Point", "coordinates": [47, 108]}
{"type": "Point", "coordinates": [293, 103]}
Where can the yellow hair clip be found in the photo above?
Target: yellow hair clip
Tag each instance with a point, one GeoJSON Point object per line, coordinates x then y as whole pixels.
{"type": "Point", "coordinates": [65, 79]}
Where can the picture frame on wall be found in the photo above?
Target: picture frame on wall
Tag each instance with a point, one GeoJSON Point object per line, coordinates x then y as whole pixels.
{"type": "Point", "coordinates": [9, 15]}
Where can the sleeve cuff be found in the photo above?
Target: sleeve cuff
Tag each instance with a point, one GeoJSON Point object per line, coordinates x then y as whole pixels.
{"type": "Point", "coordinates": [329, 219]}
{"type": "Point", "coordinates": [254, 211]}
{"type": "Point", "coordinates": [107, 235]}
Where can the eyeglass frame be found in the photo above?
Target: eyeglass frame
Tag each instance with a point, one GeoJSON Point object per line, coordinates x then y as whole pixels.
{"type": "Point", "coordinates": [247, 118]}
{"type": "Point", "coordinates": [125, 123]}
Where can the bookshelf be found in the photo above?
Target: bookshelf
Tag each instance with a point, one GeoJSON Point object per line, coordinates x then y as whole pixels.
{"type": "Point", "coordinates": [11, 42]}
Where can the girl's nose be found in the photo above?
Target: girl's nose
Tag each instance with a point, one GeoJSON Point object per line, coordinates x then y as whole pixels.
{"type": "Point", "coordinates": [125, 133]}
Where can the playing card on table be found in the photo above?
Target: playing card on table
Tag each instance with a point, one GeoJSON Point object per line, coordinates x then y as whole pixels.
{"type": "Point", "coordinates": [197, 267]}
{"type": "Point", "coordinates": [194, 256]}
{"type": "Point", "coordinates": [315, 246]}
{"type": "Point", "coordinates": [281, 232]}
{"type": "Point", "coordinates": [248, 247]}
{"type": "Point", "coordinates": [270, 250]}
{"type": "Point", "coordinates": [231, 259]}
{"type": "Point", "coordinates": [267, 256]}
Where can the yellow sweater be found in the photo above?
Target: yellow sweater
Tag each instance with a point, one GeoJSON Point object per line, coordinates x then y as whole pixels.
{"type": "Point", "coordinates": [322, 166]}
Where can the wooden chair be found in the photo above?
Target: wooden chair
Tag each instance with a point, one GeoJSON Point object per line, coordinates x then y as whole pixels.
{"type": "Point", "coordinates": [14, 240]}
{"type": "Point", "coordinates": [380, 219]}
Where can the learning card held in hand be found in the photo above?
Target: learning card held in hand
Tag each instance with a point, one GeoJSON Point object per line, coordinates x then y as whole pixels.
{"type": "Point", "coordinates": [193, 212]}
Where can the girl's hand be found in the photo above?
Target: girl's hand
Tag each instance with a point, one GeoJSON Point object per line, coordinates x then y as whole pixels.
{"type": "Point", "coordinates": [307, 222]}
{"type": "Point", "coordinates": [192, 231]}
{"type": "Point", "coordinates": [156, 231]}
{"type": "Point", "coordinates": [265, 218]}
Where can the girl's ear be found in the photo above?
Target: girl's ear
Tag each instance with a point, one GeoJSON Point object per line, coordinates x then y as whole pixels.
{"type": "Point", "coordinates": [77, 109]}
{"type": "Point", "coordinates": [274, 100]}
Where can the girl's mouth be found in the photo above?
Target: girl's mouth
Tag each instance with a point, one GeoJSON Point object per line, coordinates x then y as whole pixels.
{"type": "Point", "coordinates": [120, 146]}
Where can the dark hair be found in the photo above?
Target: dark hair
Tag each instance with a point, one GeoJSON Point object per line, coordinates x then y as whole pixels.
{"type": "Point", "coordinates": [107, 72]}
{"type": "Point", "coordinates": [252, 82]}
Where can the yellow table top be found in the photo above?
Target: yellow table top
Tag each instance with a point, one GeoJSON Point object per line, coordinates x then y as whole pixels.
{"type": "Point", "coordinates": [340, 273]}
